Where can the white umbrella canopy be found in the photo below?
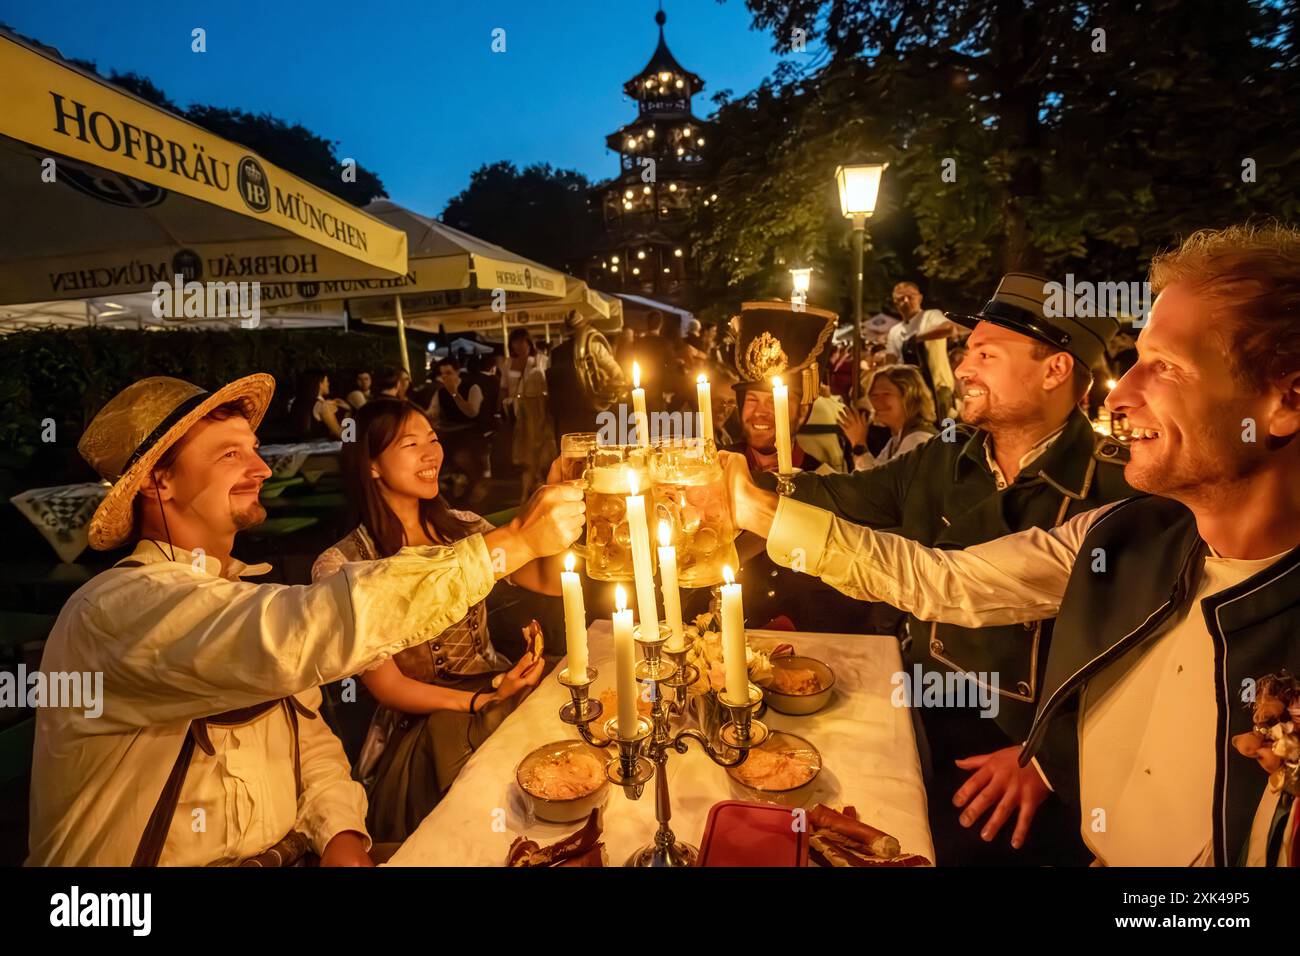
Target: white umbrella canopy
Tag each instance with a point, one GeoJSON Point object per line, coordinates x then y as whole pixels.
{"type": "Point", "coordinates": [441, 260]}
{"type": "Point", "coordinates": [458, 313]}
{"type": "Point", "coordinates": [108, 194]}
{"type": "Point", "coordinates": [135, 311]}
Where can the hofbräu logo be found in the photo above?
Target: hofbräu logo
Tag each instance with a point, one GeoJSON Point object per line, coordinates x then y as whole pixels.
{"type": "Point", "coordinates": [253, 186]}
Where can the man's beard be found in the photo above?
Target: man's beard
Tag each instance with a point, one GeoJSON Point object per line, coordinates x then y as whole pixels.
{"type": "Point", "coordinates": [253, 514]}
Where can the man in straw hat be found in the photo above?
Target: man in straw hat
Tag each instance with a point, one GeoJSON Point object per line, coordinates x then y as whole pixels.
{"type": "Point", "coordinates": [208, 749]}
{"type": "Point", "coordinates": [1176, 611]}
{"type": "Point", "coordinates": [1030, 460]}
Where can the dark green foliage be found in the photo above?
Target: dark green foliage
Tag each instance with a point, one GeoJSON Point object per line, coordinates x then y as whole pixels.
{"type": "Point", "coordinates": [1068, 158]}
{"type": "Point", "coordinates": [68, 374]}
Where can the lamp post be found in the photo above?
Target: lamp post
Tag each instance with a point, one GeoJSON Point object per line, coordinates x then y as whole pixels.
{"type": "Point", "coordinates": [859, 186]}
{"type": "Point", "coordinates": [800, 281]}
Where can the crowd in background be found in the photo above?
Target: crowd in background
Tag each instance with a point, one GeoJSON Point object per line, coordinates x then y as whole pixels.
{"type": "Point", "coordinates": [502, 411]}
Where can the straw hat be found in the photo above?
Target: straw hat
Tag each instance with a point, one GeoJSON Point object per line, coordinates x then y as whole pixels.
{"type": "Point", "coordinates": [138, 425]}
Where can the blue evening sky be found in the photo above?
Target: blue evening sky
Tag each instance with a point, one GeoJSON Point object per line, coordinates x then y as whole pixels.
{"type": "Point", "coordinates": [413, 90]}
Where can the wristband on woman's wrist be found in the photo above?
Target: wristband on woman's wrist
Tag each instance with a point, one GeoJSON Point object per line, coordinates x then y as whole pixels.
{"type": "Point", "coordinates": [474, 699]}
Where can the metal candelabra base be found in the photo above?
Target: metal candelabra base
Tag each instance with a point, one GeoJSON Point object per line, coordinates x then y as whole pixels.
{"type": "Point", "coordinates": [643, 750]}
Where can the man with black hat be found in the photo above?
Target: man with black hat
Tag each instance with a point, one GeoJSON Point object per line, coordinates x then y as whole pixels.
{"type": "Point", "coordinates": [1170, 683]}
{"type": "Point", "coordinates": [1030, 459]}
{"type": "Point", "coordinates": [208, 749]}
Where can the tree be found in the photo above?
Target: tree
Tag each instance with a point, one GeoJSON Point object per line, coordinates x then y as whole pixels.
{"type": "Point", "coordinates": [540, 213]}
{"type": "Point", "coordinates": [294, 148]}
{"type": "Point", "coordinates": [1082, 136]}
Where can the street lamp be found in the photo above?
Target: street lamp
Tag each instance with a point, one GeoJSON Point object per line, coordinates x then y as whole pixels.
{"type": "Point", "coordinates": [859, 186]}
{"type": "Point", "coordinates": [800, 281]}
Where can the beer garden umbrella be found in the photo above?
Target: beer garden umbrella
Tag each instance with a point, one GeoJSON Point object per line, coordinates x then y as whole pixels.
{"type": "Point", "coordinates": [450, 274]}
{"type": "Point", "coordinates": [106, 193]}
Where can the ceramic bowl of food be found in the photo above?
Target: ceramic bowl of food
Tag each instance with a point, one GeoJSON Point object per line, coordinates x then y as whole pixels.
{"type": "Point", "coordinates": [783, 770]}
{"type": "Point", "coordinates": [563, 781]}
{"type": "Point", "coordinates": [798, 685]}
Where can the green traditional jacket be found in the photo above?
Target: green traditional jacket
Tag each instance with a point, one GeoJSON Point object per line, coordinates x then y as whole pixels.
{"type": "Point", "coordinates": [944, 495]}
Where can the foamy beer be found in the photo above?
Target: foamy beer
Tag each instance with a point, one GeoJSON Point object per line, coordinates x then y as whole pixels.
{"type": "Point", "coordinates": [690, 493]}
{"type": "Point", "coordinates": [609, 540]}
{"type": "Point", "coordinates": [575, 450]}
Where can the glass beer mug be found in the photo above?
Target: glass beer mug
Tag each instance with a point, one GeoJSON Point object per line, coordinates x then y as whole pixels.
{"type": "Point", "coordinates": [575, 458]}
{"type": "Point", "coordinates": [609, 540]}
{"type": "Point", "coordinates": [690, 493]}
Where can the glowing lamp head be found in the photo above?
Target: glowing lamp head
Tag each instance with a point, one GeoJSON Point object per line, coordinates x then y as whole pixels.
{"type": "Point", "coordinates": [665, 534]}
{"type": "Point", "coordinates": [701, 379]}
{"type": "Point", "coordinates": [727, 576]}
{"type": "Point", "coordinates": [636, 374]}
{"type": "Point", "coordinates": [620, 598]}
{"type": "Point", "coordinates": [859, 187]}
{"type": "Point", "coordinates": [776, 382]}
{"type": "Point", "coordinates": [568, 562]}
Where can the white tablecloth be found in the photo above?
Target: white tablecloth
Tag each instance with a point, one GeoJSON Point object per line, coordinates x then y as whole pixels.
{"type": "Point", "coordinates": [868, 752]}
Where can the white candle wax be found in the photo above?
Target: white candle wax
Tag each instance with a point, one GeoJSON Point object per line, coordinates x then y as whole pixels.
{"type": "Point", "coordinates": [638, 408]}
{"type": "Point", "coordinates": [781, 414]}
{"type": "Point", "coordinates": [642, 567]}
{"type": "Point", "coordinates": [735, 667]}
{"type": "Point", "coordinates": [624, 665]}
{"type": "Point", "coordinates": [704, 394]}
{"type": "Point", "coordinates": [575, 621]}
{"type": "Point", "coordinates": [672, 595]}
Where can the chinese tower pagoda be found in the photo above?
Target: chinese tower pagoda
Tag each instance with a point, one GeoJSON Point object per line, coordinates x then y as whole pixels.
{"type": "Point", "coordinates": [661, 176]}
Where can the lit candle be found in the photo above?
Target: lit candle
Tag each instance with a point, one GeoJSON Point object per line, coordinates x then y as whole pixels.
{"type": "Point", "coordinates": [735, 667]}
{"type": "Point", "coordinates": [704, 394]}
{"type": "Point", "coordinates": [638, 407]}
{"type": "Point", "coordinates": [642, 567]}
{"type": "Point", "coordinates": [624, 665]}
{"type": "Point", "coordinates": [668, 580]}
{"type": "Point", "coordinates": [575, 620]}
{"type": "Point", "coordinates": [781, 413]}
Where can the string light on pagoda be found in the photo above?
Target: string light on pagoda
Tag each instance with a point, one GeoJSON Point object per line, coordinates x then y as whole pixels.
{"type": "Point", "coordinates": [646, 190]}
{"type": "Point", "coordinates": [650, 134]}
{"type": "Point", "coordinates": [672, 187]}
{"type": "Point", "coordinates": [677, 253]}
{"type": "Point", "coordinates": [640, 254]}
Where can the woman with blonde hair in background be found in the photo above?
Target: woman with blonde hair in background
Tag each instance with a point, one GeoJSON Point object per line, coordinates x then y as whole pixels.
{"type": "Point", "coordinates": [898, 398]}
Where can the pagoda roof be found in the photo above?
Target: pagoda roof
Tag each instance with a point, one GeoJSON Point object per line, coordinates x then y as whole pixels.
{"type": "Point", "coordinates": [662, 60]}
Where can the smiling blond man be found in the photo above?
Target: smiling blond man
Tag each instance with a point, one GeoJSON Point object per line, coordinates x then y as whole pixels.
{"type": "Point", "coordinates": [1171, 607]}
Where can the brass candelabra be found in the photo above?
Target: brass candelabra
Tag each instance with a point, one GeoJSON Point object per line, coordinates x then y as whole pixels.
{"type": "Point", "coordinates": [643, 753]}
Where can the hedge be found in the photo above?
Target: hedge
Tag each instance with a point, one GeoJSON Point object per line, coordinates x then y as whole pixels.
{"type": "Point", "coordinates": [66, 375]}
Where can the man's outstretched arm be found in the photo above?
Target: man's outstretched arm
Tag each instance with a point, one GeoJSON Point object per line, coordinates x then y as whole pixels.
{"type": "Point", "coordinates": [1020, 577]}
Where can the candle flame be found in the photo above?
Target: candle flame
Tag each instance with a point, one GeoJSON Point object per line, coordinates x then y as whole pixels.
{"type": "Point", "coordinates": [665, 534]}
{"type": "Point", "coordinates": [632, 484]}
{"type": "Point", "coordinates": [636, 374]}
{"type": "Point", "coordinates": [620, 598]}
{"type": "Point", "coordinates": [776, 381]}
{"type": "Point", "coordinates": [727, 575]}
{"type": "Point", "coordinates": [702, 379]}
{"type": "Point", "coordinates": [568, 561]}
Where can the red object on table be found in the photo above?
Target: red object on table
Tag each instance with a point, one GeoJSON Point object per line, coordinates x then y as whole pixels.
{"type": "Point", "coordinates": [752, 834]}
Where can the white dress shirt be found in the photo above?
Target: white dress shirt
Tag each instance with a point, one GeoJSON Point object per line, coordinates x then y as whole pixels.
{"type": "Point", "coordinates": [183, 639]}
{"type": "Point", "coordinates": [1147, 736]}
